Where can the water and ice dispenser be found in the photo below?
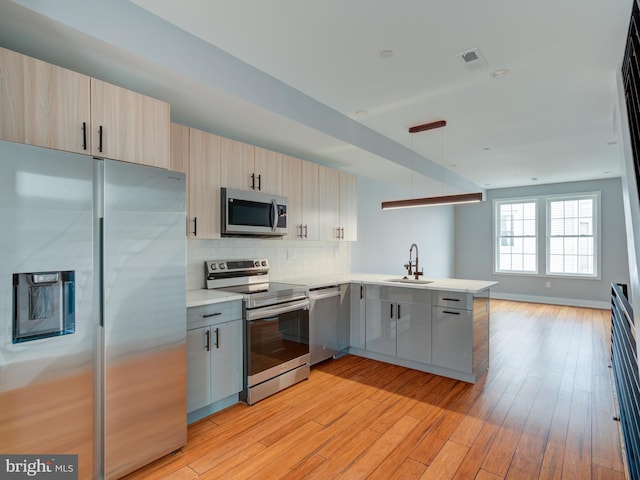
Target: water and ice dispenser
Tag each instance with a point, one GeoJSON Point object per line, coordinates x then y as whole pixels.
{"type": "Point", "coordinates": [43, 305]}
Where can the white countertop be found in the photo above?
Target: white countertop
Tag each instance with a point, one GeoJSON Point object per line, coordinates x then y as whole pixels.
{"type": "Point", "coordinates": [202, 296]}
{"type": "Point", "coordinates": [196, 298]}
{"type": "Point", "coordinates": [448, 284]}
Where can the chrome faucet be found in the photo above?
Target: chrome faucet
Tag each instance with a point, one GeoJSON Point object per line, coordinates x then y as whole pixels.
{"type": "Point", "coordinates": [409, 266]}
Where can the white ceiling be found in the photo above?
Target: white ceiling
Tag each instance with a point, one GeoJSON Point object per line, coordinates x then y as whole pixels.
{"type": "Point", "coordinates": [549, 120]}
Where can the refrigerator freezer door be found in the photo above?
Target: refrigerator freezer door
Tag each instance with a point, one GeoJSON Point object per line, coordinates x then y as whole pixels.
{"type": "Point", "coordinates": [46, 385]}
{"type": "Point", "coordinates": [144, 250]}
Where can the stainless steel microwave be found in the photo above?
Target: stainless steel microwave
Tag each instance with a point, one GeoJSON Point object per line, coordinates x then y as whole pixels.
{"type": "Point", "coordinates": [252, 213]}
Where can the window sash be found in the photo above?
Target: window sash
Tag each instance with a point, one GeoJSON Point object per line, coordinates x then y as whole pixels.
{"type": "Point", "coordinates": [572, 236]}
{"type": "Point", "coordinates": [516, 245]}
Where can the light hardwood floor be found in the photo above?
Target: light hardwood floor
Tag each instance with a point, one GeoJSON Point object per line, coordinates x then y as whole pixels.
{"type": "Point", "coordinates": [543, 410]}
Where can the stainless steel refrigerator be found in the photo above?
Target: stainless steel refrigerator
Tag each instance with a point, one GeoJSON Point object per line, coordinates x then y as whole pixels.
{"type": "Point", "coordinates": [92, 309]}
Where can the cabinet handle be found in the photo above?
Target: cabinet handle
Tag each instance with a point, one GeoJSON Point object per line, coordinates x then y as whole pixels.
{"type": "Point", "coordinates": [306, 231]}
{"type": "Point", "coordinates": [299, 231]}
{"type": "Point", "coordinates": [391, 311]}
{"type": "Point", "coordinates": [398, 311]}
{"type": "Point", "coordinates": [451, 299]}
{"type": "Point", "coordinates": [100, 138]}
{"type": "Point", "coordinates": [361, 292]}
{"type": "Point", "coordinates": [217, 338]}
{"type": "Point", "coordinates": [195, 226]}
{"type": "Point", "coordinates": [342, 233]}
{"type": "Point", "coordinates": [338, 233]}
{"type": "Point", "coordinates": [84, 135]}
{"type": "Point", "coordinates": [209, 315]}
{"type": "Point", "coordinates": [260, 182]}
{"type": "Point", "coordinates": [207, 339]}
{"type": "Point", "coordinates": [450, 312]}
{"type": "Point", "coordinates": [253, 181]}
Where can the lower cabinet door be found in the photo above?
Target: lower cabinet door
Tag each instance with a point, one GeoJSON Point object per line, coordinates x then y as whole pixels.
{"type": "Point", "coordinates": [414, 332]}
{"type": "Point", "coordinates": [380, 331]}
{"type": "Point", "coordinates": [226, 359]}
{"type": "Point", "coordinates": [198, 369]}
{"type": "Point", "coordinates": [452, 339]}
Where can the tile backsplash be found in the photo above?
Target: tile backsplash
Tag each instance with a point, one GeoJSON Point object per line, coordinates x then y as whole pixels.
{"type": "Point", "coordinates": [287, 258]}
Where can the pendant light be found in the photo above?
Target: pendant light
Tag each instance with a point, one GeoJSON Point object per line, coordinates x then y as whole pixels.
{"type": "Point", "coordinates": [435, 200]}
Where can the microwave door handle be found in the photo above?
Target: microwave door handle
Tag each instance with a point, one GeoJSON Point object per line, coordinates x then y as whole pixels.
{"type": "Point", "coordinates": [274, 215]}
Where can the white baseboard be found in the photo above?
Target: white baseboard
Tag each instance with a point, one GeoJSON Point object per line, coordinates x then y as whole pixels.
{"type": "Point", "coordinates": [571, 302]}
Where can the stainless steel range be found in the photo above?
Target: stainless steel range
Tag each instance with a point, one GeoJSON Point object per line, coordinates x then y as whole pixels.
{"type": "Point", "coordinates": [276, 331]}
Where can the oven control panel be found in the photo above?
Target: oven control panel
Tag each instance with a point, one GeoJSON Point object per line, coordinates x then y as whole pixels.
{"type": "Point", "coordinates": [237, 266]}
{"type": "Point", "coordinates": [228, 273]}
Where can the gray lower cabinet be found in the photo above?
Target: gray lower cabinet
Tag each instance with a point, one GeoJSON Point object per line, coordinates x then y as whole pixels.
{"type": "Point", "coordinates": [214, 355]}
{"type": "Point", "coordinates": [452, 339]}
{"type": "Point", "coordinates": [442, 332]}
{"type": "Point", "coordinates": [398, 322]}
{"type": "Point", "coordinates": [414, 332]}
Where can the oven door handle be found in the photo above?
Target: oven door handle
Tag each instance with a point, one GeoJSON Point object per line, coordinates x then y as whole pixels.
{"type": "Point", "coordinates": [266, 312]}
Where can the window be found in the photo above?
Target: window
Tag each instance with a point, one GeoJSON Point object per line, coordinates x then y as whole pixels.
{"type": "Point", "coordinates": [516, 236]}
{"type": "Point", "coordinates": [572, 235]}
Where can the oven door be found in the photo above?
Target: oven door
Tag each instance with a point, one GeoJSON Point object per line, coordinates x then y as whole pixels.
{"type": "Point", "coordinates": [277, 340]}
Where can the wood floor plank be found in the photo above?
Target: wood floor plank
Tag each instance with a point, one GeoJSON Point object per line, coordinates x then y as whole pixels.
{"type": "Point", "coordinates": [543, 410]}
{"type": "Point", "coordinates": [446, 463]}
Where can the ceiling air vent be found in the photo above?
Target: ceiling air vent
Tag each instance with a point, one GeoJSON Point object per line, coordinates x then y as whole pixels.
{"type": "Point", "coordinates": [472, 58]}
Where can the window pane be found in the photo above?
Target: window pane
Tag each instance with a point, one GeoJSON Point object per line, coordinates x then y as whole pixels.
{"type": "Point", "coordinates": [571, 246]}
{"type": "Point", "coordinates": [529, 246]}
{"type": "Point", "coordinates": [557, 227]}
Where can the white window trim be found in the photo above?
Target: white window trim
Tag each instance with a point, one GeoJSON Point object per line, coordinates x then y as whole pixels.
{"type": "Point", "coordinates": [496, 234]}
{"type": "Point", "coordinates": [596, 195]}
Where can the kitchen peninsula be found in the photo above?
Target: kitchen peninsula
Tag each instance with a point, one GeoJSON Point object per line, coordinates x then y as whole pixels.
{"type": "Point", "coordinates": [436, 325]}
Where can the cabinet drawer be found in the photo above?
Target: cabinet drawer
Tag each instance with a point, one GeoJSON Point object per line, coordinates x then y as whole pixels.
{"type": "Point", "coordinates": [212, 314]}
{"type": "Point", "coordinates": [452, 299]}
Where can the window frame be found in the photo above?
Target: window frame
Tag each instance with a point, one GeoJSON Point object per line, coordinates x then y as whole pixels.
{"type": "Point", "coordinates": [497, 203]}
{"type": "Point", "coordinates": [596, 234]}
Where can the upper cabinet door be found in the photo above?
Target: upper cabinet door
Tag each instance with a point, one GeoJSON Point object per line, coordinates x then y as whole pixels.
{"type": "Point", "coordinates": [12, 124]}
{"type": "Point", "coordinates": [348, 206]}
{"type": "Point", "coordinates": [310, 198]}
{"type": "Point", "coordinates": [56, 107]}
{"type": "Point", "coordinates": [293, 192]}
{"type": "Point", "coordinates": [269, 171]}
{"type": "Point", "coordinates": [237, 165]}
{"type": "Point", "coordinates": [129, 126]}
{"type": "Point", "coordinates": [329, 203]}
{"type": "Point", "coordinates": [204, 184]}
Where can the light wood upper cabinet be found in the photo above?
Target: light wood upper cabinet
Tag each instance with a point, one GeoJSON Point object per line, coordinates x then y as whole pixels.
{"type": "Point", "coordinates": [237, 165]}
{"type": "Point", "coordinates": [179, 159]}
{"type": "Point", "coordinates": [270, 172]}
{"type": "Point", "coordinates": [129, 126]}
{"type": "Point", "coordinates": [348, 206]}
{"type": "Point", "coordinates": [310, 198]}
{"type": "Point", "coordinates": [57, 107]}
{"type": "Point", "coordinates": [204, 184]}
{"type": "Point", "coordinates": [43, 104]}
{"type": "Point", "coordinates": [293, 192]}
{"type": "Point", "coordinates": [338, 205]}
{"type": "Point", "coordinates": [12, 126]}
{"type": "Point", "coordinates": [52, 107]}
{"type": "Point", "coordinates": [329, 203]}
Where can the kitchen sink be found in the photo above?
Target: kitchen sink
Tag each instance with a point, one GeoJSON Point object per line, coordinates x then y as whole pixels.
{"type": "Point", "coordinates": [410, 280]}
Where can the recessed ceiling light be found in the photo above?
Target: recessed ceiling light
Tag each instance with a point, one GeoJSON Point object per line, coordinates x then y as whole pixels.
{"type": "Point", "coordinates": [486, 148]}
{"type": "Point", "coordinates": [453, 165]}
{"type": "Point", "coordinates": [614, 142]}
{"type": "Point", "coordinates": [386, 53]}
{"type": "Point", "coordinates": [535, 179]}
{"type": "Point", "coordinates": [501, 72]}
{"type": "Point", "coordinates": [606, 172]}
{"type": "Point", "coordinates": [362, 113]}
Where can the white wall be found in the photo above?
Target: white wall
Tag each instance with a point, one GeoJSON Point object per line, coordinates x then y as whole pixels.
{"type": "Point", "coordinates": [287, 258]}
{"type": "Point", "coordinates": [384, 237]}
{"type": "Point", "coordinates": [474, 248]}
